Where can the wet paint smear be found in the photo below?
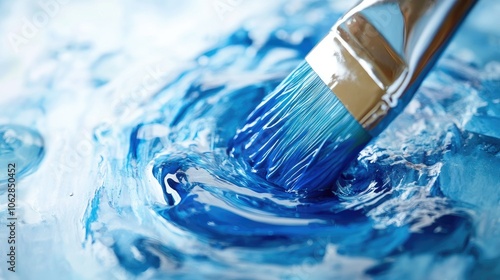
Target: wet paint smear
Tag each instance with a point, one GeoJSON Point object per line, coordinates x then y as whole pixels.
{"type": "Point", "coordinates": [300, 137]}
{"type": "Point", "coordinates": [129, 177]}
{"type": "Point", "coordinates": [22, 146]}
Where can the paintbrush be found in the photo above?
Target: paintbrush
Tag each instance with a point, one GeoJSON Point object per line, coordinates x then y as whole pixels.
{"type": "Point", "coordinates": [347, 91]}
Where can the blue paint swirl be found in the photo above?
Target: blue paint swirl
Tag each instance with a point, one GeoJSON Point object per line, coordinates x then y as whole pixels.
{"type": "Point", "coordinates": [135, 179]}
{"type": "Point", "coordinates": [301, 136]}
{"type": "Point", "coordinates": [388, 207]}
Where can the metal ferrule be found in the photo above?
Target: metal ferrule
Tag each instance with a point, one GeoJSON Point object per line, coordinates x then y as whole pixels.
{"type": "Point", "coordinates": [376, 56]}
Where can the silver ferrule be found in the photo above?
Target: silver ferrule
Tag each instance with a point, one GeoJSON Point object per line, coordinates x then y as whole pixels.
{"type": "Point", "coordinates": [376, 55]}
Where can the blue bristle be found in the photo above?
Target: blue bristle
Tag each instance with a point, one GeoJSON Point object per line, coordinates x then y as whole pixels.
{"type": "Point", "coordinates": [301, 136]}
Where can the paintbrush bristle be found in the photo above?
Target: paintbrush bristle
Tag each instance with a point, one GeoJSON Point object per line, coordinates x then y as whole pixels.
{"type": "Point", "coordinates": [301, 136]}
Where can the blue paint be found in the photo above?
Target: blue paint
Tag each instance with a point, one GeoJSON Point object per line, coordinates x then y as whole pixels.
{"type": "Point", "coordinates": [301, 136]}
{"type": "Point", "coordinates": [158, 196]}
{"type": "Point", "coordinates": [22, 146]}
{"type": "Point", "coordinates": [386, 206]}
